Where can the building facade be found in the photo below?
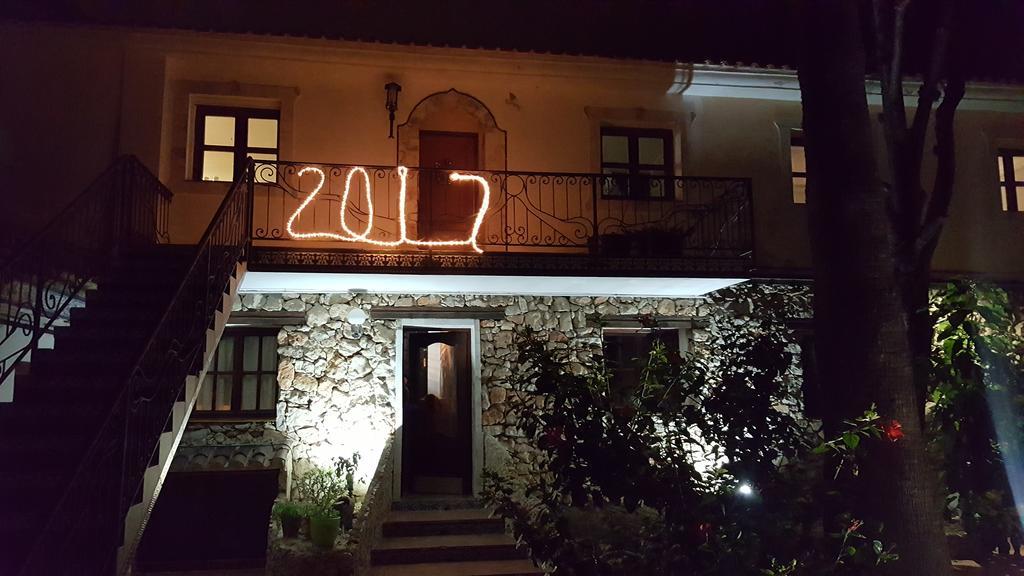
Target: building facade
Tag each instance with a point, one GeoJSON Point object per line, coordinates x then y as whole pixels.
{"type": "Point", "coordinates": [390, 261]}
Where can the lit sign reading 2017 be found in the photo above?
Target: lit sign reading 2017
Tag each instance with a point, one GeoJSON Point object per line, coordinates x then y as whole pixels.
{"type": "Point", "coordinates": [403, 238]}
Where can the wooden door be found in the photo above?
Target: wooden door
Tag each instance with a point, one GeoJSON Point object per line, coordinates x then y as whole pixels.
{"type": "Point", "coordinates": [447, 209]}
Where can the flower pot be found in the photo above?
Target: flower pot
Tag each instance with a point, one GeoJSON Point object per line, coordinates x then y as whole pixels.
{"type": "Point", "coordinates": [290, 526]}
{"type": "Point", "coordinates": [323, 530]}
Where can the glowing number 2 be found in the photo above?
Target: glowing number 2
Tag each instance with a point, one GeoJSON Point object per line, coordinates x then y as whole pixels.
{"type": "Point", "coordinates": [403, 238]}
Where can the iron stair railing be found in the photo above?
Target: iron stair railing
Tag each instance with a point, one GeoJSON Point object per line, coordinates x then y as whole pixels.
{"type": "Point", "coordinates": [86, 527]}
{"type": "Point", "coordinates": [125, 208]}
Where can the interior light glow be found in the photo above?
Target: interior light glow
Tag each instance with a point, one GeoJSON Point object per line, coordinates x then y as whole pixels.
{"type": "Point", "coordinates": [403, 237]}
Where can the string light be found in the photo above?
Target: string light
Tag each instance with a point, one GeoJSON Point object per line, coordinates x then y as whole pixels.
{"type": "Point", "coordinates": [403, 237]}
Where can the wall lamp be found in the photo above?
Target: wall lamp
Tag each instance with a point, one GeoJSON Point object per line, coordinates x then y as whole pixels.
{"type": "Point", "coordinates": [391, 89]}
{"type": "Point", "coordinates": [356, 318]}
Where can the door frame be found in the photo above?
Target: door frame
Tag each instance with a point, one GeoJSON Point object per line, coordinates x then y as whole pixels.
{"type": "Point", "coordinates": [475, 391]}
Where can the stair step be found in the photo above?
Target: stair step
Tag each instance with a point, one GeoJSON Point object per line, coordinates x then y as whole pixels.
{"type": "Point", "coordinates": [484, 568]}
{"type": "Point", "coordinates": [445, 503]}
{"type": "Point", "coordinates": [442, 522]}
{"type": "Point", "coordinates": [447, 548]}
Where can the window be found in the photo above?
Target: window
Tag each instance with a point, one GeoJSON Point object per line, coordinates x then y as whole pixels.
{"type": "Point", "coordinates": [242, 379]}
{"type": "Point", "coordinates": [798, 166]}
{"type": "Point", "coordinates": [640, 160]}
{"type": "Point", "coordinates": [1011, 180]}
{"type": "Point", "coordinates": [224, 137]}
{"type": "Point", "coordinates": [626, 351]}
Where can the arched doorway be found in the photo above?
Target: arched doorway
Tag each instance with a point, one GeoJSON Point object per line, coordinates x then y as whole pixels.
{"type": "Point", "coordinates": [445, 131]}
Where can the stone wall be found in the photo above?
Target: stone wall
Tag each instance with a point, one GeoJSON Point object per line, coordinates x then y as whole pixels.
{"type": "Point", "coordinates": [338, 393]}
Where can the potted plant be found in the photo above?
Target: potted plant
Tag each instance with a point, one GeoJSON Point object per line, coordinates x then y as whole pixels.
{"type": "Point", "coordinates": [290, 515]}
{"type": "Point", "coordinates": [321, 489]}
{"type": "Point", "coordinates": [346, 468]}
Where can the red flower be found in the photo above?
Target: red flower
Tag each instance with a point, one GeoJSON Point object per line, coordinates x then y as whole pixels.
{"type": "Point", "coordinates": [704, 531]}
{"type": "Point", "coordinates": [854, 526]}
{"type": "Point", "coordinates": [893, 430]}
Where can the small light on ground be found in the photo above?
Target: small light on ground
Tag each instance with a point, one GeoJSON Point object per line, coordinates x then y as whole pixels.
{"type": "Point", "coordinates": [745, 489]}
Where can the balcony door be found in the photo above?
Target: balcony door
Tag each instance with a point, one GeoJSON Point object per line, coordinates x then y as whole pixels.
{"type": "Point", "coordinates": [447, 209]}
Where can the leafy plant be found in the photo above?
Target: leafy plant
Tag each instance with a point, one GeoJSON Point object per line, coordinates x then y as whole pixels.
{"type": "Point", "coordinates": [701, 467]}
{"type": "Point", "coordinates": [289, 509]}
{"type": "Point", "coordinates": [346, 468]}
{"type": "Point", "coordinates": [975, 400]}
{"type": "Point", "coordinates": [320, 489]}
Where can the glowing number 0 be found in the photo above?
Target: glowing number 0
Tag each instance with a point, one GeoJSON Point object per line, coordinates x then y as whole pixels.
{"type": "Point", "coordinates": [352, 236]}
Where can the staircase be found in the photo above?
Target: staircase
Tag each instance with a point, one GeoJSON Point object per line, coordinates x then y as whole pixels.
{"type": "Point", "coordinates": [451, 537]}
{"type": "Point", "coordinates": [95, 420]}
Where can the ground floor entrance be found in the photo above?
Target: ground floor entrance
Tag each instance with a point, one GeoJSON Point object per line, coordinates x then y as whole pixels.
{"type": "Point", "coordinates": [436, 389]}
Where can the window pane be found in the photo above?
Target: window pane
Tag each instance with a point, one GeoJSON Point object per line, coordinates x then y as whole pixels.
{"type": "Point", "coordinates": [615, 149]}
{"type": "Point", "coordinates": [226, 354]}
{"type": "Point", "coordinates": [615, 185]}
{"type": "Point", "coordinates": [651, 150]}
{"type": "Point", "coordinates": [797, 160]}
{"type": "Point", "coordinates": [799, 190]}
{"type": "Point", "coordinates": [262, 133]}
{"type": "Point", "coordinates": [250, 356]}
{"type": "Point", "coordinates": [1002, 198]}
{"type": "Point", "coordinates": [205, 399]}
{"type": "Point", "coordinates": [270, 354]}
{"type": "Point", "coordinates": [268, 391]}
{"type": "Point", "coordinates": [265, 172]}
{"type": "Point", "coordinates": [249, 392]}
{"type": "Point", "coordinates": [222, 398]}
{"type": "Point", "coordinates": [1018, 168]}
{"type": "Point", "coordinates": [1020, 198]}
{"type": "Point", "coordinates": [218, 166]}
{"type": "Point", "coordinates": [654, 183]}
{"type": "Point", "coordinates": [219, 131]}
{"type": "Point", "coordinates": [1002, 168]}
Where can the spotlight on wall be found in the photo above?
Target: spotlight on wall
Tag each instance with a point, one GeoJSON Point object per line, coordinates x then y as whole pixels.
{"type": "Point", "coordinates": [391, 104]}
{"type": "Point", "coordinates": [356, 318]}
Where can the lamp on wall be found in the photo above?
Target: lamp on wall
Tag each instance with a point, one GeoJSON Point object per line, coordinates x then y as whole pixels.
{"type": "Point", "coordinates": [356, 318]}
{"type": "Point", "coordinates": [391, 103]}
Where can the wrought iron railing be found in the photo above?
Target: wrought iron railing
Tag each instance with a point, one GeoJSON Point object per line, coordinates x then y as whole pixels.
{"type": "Point", "coordinates": [596, 214]}
{"type": "Point", "coordinates": [88, 521]}
{"type": "Point", "coordinates": [126, 208]}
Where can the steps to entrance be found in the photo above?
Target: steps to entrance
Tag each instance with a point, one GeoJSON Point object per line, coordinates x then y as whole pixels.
{"type": "Point", "coordinates": [455, 537]}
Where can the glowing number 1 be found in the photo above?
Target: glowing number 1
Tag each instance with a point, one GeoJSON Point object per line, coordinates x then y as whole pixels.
{"type": "Point", "coordinates": [352, 236]}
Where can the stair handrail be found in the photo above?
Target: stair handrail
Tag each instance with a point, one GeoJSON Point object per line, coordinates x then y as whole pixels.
{"type": "Point", "coordinates": [87, 523]}
{"type": "Point", "coordinates": [126, 206]}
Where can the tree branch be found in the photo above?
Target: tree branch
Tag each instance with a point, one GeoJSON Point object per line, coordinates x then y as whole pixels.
{"type": "Point", "coordinates": [945, 174]}
{"type": "Point", "coordinates": [927, 95]}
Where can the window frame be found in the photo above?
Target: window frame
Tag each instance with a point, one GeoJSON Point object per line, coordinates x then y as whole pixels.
{"type": "Point", "coordinates": [1010, 182]}
{"type": "Point", "coordinates": [680, 331]}
{"type": "Point", "coordinates": [237, 373]}
{"type": "Point", "coordinates": [796, 140]}
{"type": "Point", "coordinates": [241, 148]}
{"type": "Point", "coordinates": [634, 178]}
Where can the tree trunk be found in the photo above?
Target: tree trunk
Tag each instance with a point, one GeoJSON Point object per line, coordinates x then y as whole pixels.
{"type": "Point", "coordinates": [860, 321]}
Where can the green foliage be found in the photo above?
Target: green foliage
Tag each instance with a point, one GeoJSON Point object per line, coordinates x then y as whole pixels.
{"type": "Point", "coordinates": [320, 489]}
{"type": "Point", "coordinates": [284, 509]}
{"type": "Point", "coordinates": [346, 468]}
{"type": "Point", "coordinates": [974, 405]}
{"type": "Point", "coordinates": [642, 478]}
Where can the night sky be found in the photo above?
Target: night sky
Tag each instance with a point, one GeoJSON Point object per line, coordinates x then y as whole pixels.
{"type": "Point", "coordinates": [762, 32]}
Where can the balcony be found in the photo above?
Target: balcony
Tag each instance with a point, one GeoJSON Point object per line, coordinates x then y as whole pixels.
{"type": "Point", "coordinates": [346, 218]}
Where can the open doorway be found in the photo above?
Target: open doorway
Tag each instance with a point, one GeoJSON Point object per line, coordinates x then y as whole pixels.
{"type": "Point", "coordinates": [437, 443]}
